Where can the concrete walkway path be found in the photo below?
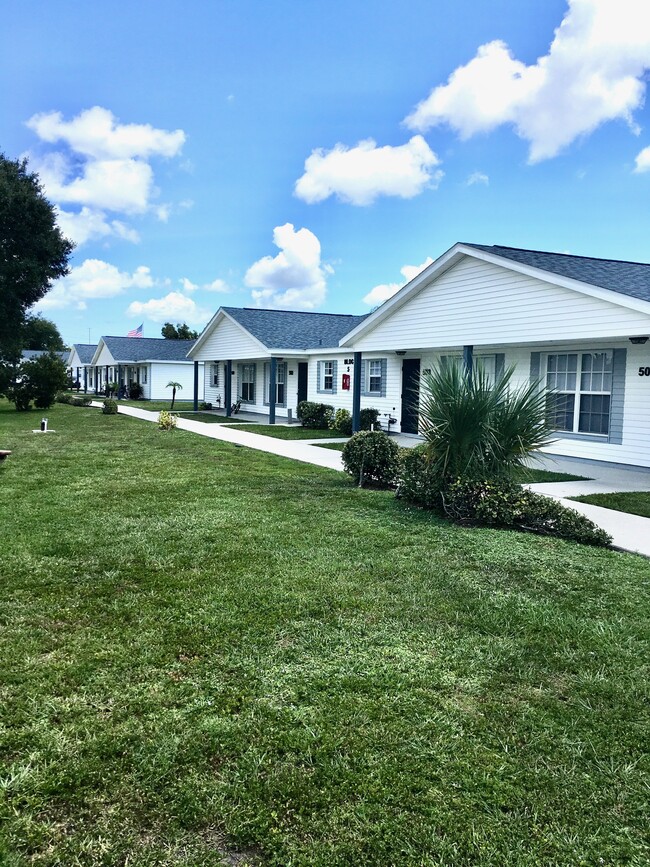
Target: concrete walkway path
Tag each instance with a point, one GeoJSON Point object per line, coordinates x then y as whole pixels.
{"type": "Point", "coordinates": [628, 532]}
{"type": "Point", "coordinates": [297, 450]}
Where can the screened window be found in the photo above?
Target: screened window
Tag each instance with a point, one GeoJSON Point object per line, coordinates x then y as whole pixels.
{"type": "Point", "coordinates": [215, 373]}
{"type": "Point", "coordinates": [374, 377]}
{"type": "Point", "coordinates": [143, 377]}
{"type": "Point", "coordinates": [280, 383]}
{"type": "Point", "coordinates": [581, 386]}
{"type": "Point", "coordinates": [328, 376]}
{"type": "Point", "coordinates": [248, 383]}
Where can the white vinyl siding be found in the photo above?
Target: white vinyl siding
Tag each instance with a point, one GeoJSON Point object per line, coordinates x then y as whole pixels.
{"type": "Point", "coordinates": [482, 304]}
{"type": "Point", "coordinates": [228, 341]}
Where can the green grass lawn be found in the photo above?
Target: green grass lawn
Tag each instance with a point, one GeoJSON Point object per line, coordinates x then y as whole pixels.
{"type": "Point", "coordinates": [282, 432]}
{"type": "Point", "coordinates": [530, 476]}
{"type": "Point", "coordinates": [210, 651]}
{"type": "Point", "coordinates": [633, 502]}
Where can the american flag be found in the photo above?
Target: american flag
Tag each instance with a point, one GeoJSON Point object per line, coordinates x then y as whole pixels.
{"type": "Point", "coordinates": [137, 332]}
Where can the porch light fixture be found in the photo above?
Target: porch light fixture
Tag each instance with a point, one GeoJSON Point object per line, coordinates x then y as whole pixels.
{"type": "Point", "coordinates": [638, 340]}
{"type": "Point", "coordinates": [400, 352]}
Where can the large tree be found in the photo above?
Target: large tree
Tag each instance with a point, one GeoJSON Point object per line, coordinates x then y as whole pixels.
{"type": "Point", "coordinates": [40, 333]}
{"type": "Point", "coordinates": [33, 251]}
{"type": "Point", "coordinates": [180, 331]}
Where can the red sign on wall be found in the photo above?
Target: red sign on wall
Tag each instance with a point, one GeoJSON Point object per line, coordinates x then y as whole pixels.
{"type": "Point", "coordinates": [345, 382]}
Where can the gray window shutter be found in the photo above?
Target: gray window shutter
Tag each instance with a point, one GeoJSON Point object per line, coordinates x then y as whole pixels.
{"type": "Point", "coordinates": [319, 378]}
{"type": "Point", "coordinates": [499, 364]}
{"type": "Point", "coordinates": [240, 379]}
{"type": "Point", "coordinates": [535, 365]}
{"type": "Point", "coordinates": [286, 384]}
{"type": "Point", "coordinates": [618, 396]}
{"type": "Point", "coordinates": [335, 368]}
{"type": "Point", "coordinates": [267, 383]}
{"type": "Point", "coordinates": [364, 379]}
{"type": "Point", "coordinates": [384, 372]}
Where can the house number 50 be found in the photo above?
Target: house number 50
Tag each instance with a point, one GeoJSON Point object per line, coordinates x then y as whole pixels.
{"type": "Point", "coordinates": [644, 371]}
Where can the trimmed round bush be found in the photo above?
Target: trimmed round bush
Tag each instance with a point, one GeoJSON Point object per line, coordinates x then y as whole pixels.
{"type": "Point", "coordinates": [136, 392]}
{"type": "Point", "coordinates": [368, 418]}
{"type": "Point", "coordinates": [110, 407]}
{"type": "Point", "coordinates": [315, 415]}
{"type": "Point", "coordinates": [371, 456]}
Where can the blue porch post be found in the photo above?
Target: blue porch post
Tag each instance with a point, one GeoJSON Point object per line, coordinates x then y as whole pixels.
{"type": "Point", "coordinates": [273, 373]}
{"type": "Point", "coordinates": [356, 393]}
{"type": "Point", "coordinates": [227, 389]}
{"type": "Point", "coordinates": [196, 386]}
{"type": "Point", "coordinates": [468, 361]}
{"type": "Point", "coordinates": [85, 380]}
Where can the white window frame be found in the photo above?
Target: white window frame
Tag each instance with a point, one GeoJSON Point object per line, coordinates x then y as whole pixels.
{"type": "Point", "coordinates": [143, 379]}
{"type": "Point", "coordinates": [215, 374]}
{"type": "Point", "coordinates": [250, 369]}
{"type": "Point", "coordinates": [578, 392]}
{"type": "Point", "coordinates": [327, 373]}
{"type": "Point", "coordinates": [370, 376]}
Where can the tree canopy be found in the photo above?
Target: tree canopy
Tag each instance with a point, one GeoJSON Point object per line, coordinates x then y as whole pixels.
{"type": "Point", "coordinates": [41, 333]}
{"type": "Point", "coordinates": [180, 331]}
{"type": "Point", "coordinates": [33, 251]}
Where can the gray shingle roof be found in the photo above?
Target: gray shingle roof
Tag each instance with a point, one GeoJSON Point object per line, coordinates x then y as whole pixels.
{"type": "Point", "coordinates": [31, 354]}
{"type": "Point", "coordinates": [148, 348]}
{"type": "Point", "coordinates": [291, 329]}
{"type": "Point", "coordinates": [85, 351]}
{"type": "Point", "coordinates": [628, 278]}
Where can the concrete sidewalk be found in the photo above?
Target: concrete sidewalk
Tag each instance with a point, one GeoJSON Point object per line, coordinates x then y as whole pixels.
{"type": "Point", "coordinates": [297, 450]}
{"type": "Point", "coordinates": [628, 532]}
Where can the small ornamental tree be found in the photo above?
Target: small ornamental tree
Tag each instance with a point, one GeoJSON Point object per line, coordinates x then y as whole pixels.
{"type": "Point", "coordinates": [38, 380]}
{"type": "Point", "coordinates": [175, 386]}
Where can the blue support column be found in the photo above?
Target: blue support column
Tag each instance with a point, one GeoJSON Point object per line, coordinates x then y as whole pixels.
{"type": "Point", "coordinates": [85, 380]}
{"type": "Point", "coordinates": [273, 373]}
{"type": "Point", "coordinates": [356, 393]}
{"type": "Point", "coordinates": [468, 361]}
{"type": "Point", "coordinates": [227, 389]}
{"type": "Point", "coordinates": [196, 386]}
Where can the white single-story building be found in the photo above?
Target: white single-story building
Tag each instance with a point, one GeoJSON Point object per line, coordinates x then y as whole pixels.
{"type": "Point", "coordinates": [577, 325]}
{"type": "Point", "coordinates": [239, 347]}
{"type": "Point", "coordinates": [150, 361]}
{"type": "Point", "coordinates": [79, 362]}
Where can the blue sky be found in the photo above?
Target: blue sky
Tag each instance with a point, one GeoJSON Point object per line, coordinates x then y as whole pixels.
{"type": "Point", "coordinates": [314, 155]}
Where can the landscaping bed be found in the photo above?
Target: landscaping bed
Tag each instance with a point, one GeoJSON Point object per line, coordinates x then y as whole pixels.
{"type": "Point", "coordinates": [212, 652]}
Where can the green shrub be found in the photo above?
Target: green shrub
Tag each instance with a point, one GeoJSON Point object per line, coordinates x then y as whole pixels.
{"type": "Point", "coordinates": [341, 422]}
{"type": "Point", "coordinates": [417, 482]}
{"type": "Point", "coordinates": [371, 456]}
{"type": "Point", "coordinates": [62, 397]}
{"type": "Point", "coordinates": [368, 418]}
{"type": "Point", "coordinates": [315, 415]}
{"type": "Point", "coordinates": [136, 392]}
{"type": "Point", "coordinates": [504, 504]}
{"type": "Point", "coordinates": [81, 401]}
{"type": "Point", "coordinates": [167, 420]}
{"type": "Point", "coordinates": [20, 394]}
{"type": "Point", "coordinates": [205, 405]}
{"type": "Point", "coordinates": [110, 407]}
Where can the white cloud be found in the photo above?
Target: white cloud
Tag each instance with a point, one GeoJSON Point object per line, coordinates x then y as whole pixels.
{"type": "Point", "coordinates": [174, 306]}
{"type": "Point", "coordinates": [360, 174]}
{"type": "Point", "coordinates": [187, 285]}
{"type": "Point", "coordinates": [93, 279]}
{"type": "Point", "coordinates": [642, 162]}
{"type": "Point", "coordinates": [97, 134]}
{"type": "Point", "coordinates": [593, 73]}
{"type": "Point", "coordinates": [89, 225]}
{"type": "Point", "coordinates": [295, 278]}
{"type": "Point", "coordinates": [384, 291]}
{"type": "Point", "coordinates": [103, 167]}
{"type": "Point", "coordinates": [216, 286]}
{"type": "Point", "coordinates": [477, 178]}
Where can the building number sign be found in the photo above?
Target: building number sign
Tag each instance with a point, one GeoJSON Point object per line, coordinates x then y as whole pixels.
{"type": "Point", "coordinates": [644, 371]}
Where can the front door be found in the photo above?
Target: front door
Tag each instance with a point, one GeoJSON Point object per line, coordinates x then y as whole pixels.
{"type": "Point", "coordinates": [410, 394]}
{"type": "Point", "coordinates": [302, 380]}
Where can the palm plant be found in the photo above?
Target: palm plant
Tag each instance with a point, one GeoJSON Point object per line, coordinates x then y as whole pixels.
{"type": "Point", "coordinates": [175, 386]}
{"type": "Point", "coordinates": [476, 427]}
